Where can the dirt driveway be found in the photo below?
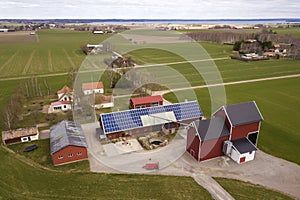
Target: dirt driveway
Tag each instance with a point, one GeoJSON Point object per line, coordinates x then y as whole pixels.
{"type": "Point", "coordinates": [265, 170]}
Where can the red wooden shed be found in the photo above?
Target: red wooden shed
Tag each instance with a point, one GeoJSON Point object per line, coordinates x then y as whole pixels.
{"type": "Point", "coordinates": [144, 102]}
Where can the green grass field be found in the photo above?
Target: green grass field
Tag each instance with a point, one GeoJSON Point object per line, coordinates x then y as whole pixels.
{"type": "Point", "coordinates": [247, 191]}
{"type": "Point", "coordinates": [56, 51]}
{"type": "Point", "coordinates": [22, 181]}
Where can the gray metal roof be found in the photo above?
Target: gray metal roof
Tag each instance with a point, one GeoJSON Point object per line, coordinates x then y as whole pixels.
{"type": "Point", "coordinates": [243, 113]}
{"type": "Point", "coordinates": [66, 133]}
{"type": "Point", "coordinates": [243, 145]}
{"type": "Point", "coordinates": [212, 128]}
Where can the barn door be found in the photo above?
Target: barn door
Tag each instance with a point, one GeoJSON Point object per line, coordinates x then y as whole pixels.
{"type": "Point", "coordinates": [253, 137]}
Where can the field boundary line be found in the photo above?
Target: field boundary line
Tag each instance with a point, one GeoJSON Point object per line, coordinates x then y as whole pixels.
{"type": "Point", "coordinates": [8, 61]}
{"type": "Point", "coordinates": [224, 84]}
{"type": "Point", "coordinates": [50, 65]}
{"type": "Point", "coordinates": [69, 58]}
{"type": "Point", "coordinates": [181, 62]}
{"type": "Point", "coordinates": [28, 63]}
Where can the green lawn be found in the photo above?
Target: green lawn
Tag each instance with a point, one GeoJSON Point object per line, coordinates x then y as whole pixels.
{"type": "Point", "coordinates": [246, 191]}
{"type": "Point", "coordinates": [21, 181]}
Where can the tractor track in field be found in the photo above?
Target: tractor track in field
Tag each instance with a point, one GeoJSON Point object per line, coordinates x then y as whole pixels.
{"type": "Point", "coordinates": [28, 63]}
{"type": "Point", "coordinates": [50, 65]}
{"type": "Point", "coordinates": [8, 61]}
{"type": "Point", "coordinates": [70, 60]}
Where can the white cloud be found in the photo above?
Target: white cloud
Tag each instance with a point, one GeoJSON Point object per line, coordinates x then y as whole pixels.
{"type": "Point", "coordinates": [187, 9]}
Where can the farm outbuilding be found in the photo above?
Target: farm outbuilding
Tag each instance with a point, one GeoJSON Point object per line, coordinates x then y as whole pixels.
{"type": "Point", "coordinates": [205, 138]}
{"type": "Point", "coordinates": [20, 135]}
{"type": "Point", "coordinates": [92, 87]}
{"type": "Point", "coordinates": [233, 132]}
{"type": "Point", "coordinates": [67, 143]}
{"type": "Point", "coordinates": [145, 102]}
{"type": "Point", "coordinates": [146, 120]}
{"type": "Point", "coordinates": [243, 120]}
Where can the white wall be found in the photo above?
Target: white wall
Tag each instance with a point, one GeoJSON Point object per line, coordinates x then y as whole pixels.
{"type": "Point", "coordinates": [34, 137]}
{"type": "Point", "coordinates": [97, 91]}
{"type": "Point", "coordinates": [235, 156]}
{"type": "Point", "coordinates": [101, 91]}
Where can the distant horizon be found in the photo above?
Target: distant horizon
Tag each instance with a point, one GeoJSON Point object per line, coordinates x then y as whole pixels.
{"type": "Point", "coordinates": [145, 9]}
{"type": "Point", "coordinates": [158, 19]}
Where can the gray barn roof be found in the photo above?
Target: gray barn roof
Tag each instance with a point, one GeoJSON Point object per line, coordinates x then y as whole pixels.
{"type": "Point", "coordinates": [243, 113]}
{"type": "Point", "coordinates": [243, 145]}
{"type": "Point", "coordinates": [66, 133]}
{"type": "Point", "coordinates": [212, 128]}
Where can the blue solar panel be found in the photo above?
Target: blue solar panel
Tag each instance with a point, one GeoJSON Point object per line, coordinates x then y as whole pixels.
{"type": "Point", "coordinates": [130, 119]}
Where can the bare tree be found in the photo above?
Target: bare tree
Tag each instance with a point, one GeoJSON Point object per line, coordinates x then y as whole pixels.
{"type": "Point", "coordinates": [8, 117]}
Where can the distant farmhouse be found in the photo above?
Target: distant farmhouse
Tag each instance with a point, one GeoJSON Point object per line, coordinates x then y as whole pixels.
{"type": "Point", "coordinates": [233, 132]}
{"type": "Point", "coordinates": [3, 30]}
{"type": "Point", "coordinates": [65, 99]}
{"type": "Point", "coordinates": [102, 101]}
{"type": "Point", "coordinates": [145, 102]}
{"type": "Point", "coordinates": [67, 143]}
{"type": "Point", "coordinates": [146, 120]}
{"type": "Point", "coordinates": [20, 135]}
{"type": "Point", "coordinates": [92, 87]}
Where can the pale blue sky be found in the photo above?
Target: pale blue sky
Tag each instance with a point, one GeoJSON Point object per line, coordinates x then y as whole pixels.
{"type": "Point", "coordinates": [150, 9]}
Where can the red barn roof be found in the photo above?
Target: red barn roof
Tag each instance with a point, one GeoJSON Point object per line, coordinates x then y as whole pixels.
{"type": "Point", "coordinates": [147, 99]}
{"type": "Point", "coordinates": [65, 89]}
{"type": "Point", "coordinates": [92, 85]}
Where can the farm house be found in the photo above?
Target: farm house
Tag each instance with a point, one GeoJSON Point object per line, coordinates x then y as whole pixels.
{"type": "Point", "coordinates": [92, 87]}
{"type": "Point", "coordinates": [233, 132]}
{"type": "Point", "coordinates": [146, 120]}
{"type": "Point", "coordinates": [60, 105]}
{"type": "Point", "coordinates": [102, 101]}
{"type": "Point", "coordinates": [67, 143]}
{"type": "Point", "coordinates": [145, 102]}
{"type": "Point", "coordinates": [20, 135]}
{"type": "Point", "coordinates": [65, 94]}
{"type": "Point", "coordinates": [64, 103]}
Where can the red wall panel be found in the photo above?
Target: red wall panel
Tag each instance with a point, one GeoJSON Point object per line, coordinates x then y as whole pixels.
{"type": "Point", "coordinates": [69, 150]}
{"type": "Point", "coordinates": [243, 130]}
{"type": "Point", "coordinates": [212, 148]}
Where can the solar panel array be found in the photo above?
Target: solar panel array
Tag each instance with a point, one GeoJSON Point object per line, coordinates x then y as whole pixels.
{"type": "Point", "coordinates": [130, 119]}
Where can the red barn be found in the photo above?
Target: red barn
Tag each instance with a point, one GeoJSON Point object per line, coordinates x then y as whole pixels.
{"type": "Point", "coordinates": [67, 143]}
{"type": "Point", "coordinates": [233, 131]}
{"type": "Point", "coordinates": [205, 138]}
{"type": "Point", "coordinates": [243, 120]}
{"type": "Point", "coordinates": [145, 102]}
